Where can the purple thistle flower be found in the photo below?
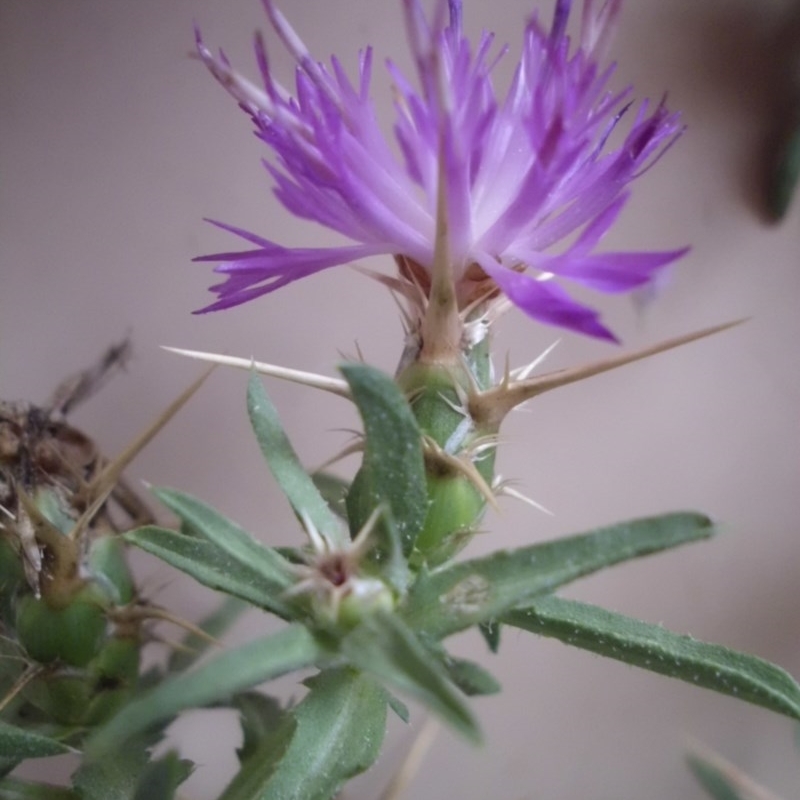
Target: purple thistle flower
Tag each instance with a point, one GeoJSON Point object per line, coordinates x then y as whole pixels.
{"type": "Point", "coordinates": [528, 185]}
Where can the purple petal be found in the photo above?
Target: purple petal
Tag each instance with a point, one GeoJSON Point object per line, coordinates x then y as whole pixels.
{"type": "Point", "coordinates": [612, 273]}
{"type": "Point", "coordinates": [525, 173]}
{"type": "Point", "coordinates": [275, 267]}
{"type": "Point", "coordinates": [546, 301]}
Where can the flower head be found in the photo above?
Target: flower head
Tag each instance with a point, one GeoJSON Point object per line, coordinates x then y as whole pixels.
{"type": "Point", "coordinates": [333, 578]}
{"type": "Point", "coordinates": [520, 187]}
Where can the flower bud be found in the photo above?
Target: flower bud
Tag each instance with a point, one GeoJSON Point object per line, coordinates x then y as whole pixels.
{"type": "Point", "coordinates": [455, 510]}
{"type": "Point", "coordinates": [71, 635]}
{"type": "Point", "coordinates": [366, 596]}
{"type": "Point", "coordinates": [459, 471]}
{"type": "Point", "coordinates": [91, 695]}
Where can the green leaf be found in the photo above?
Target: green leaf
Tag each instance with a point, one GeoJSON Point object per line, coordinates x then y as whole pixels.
{"type": "Point", "coordinates": [17, 744]}
{"type": "Point", "coordinates": [284, 464]}
{"type": "Point", "coordinates": [399, 707]}
{"type": "Point", "coordinates": [216, 680]}
{"type": "Point", "coordinates": [14, 789]}
{"type": "Point", "coordinates": [333, 734]}
{"type": "Point", "coordinates": [260, 717]}
{"type": "Point", "coordinates": [227, 536]}
{"type": "Point", "coordinates": [470, 677]}
{"type": "Point", "coordinates": [490, 630]}
{"type": "Point", "coordinates": [212, 567]}
{"type": "Point", "coordinates": [127, 773]}
{"type": "Point", "coordinates": [458, 596]}
{"type": "Point", "coordinates": [383, 646]}
{"type": "Point", "coordinates": [393, 471]}
{"type": "Point", "coordinates": [252, 781]}
{"type": "Point", "coordinates": [654, 648]}
{"type": "Point", "coordinates": [115, 776]}
{"type": "Point", "coordinates": [386, 553]}
{"type": "Point", "coordinates": [334, 492]}
{"type": "Point", "coordinates": [722, 780]}
{"type": "Point", "coordinates": [215, 624]}
{"type": "Point", "coordinates": [161, 779]}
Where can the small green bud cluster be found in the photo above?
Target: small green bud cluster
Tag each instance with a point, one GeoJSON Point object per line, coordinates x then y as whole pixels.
{"type": "Point", "coordinates": [336, 583]}
{"type": "Point", "coordinates": [70, 653]}
{"type": "Point", "coordinates": [82, 654]}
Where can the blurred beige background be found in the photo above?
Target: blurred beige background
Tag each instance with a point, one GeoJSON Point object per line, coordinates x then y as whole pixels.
{"type": "Point", "coordinates": [113, 146]}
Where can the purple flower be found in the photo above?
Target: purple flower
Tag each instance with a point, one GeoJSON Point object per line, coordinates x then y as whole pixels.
{"type": "Point", "coordinates": [528, 182]}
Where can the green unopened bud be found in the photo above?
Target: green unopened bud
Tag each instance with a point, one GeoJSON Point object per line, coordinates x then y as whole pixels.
{"type": "Point", "coordinates": [435, 394]}
{"type": "Point", "coordinates": [113, 676]}
{"type": "Point", "coordinates": [455, 509]}
{"type": "Point", "coordinates": [62, 697]}
{"type": "Point", "coordinates": [72, 635]}
{"type": "Point", "coordinates": [459, 469]}
{"type": "Point", "coordinates": [365, 597]}
{"type": "Point", "coordinates": [91, 695]}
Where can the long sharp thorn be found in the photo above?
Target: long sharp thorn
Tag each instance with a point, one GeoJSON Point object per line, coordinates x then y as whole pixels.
{"type": "Point", "coordinates": [494, 404]}
{"type": "Point", "coordinates": [522, 373]}
{"type": "Point", "coordinates": [333, 385]}
{"type": "Point", "coordinates": [465, 467]}
{"type": "Point", "coordinates": [102, 486]}
{"type": "Point", "coordinates": [517, 495]}
{"type": "Point", "coordinates": [349, 450]}
{"type": "Point", "coordinates": [145, 612]}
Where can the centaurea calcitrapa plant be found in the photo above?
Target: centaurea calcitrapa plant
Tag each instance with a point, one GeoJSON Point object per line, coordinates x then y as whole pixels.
{"type": "Point", "coordinates": [484, 201]}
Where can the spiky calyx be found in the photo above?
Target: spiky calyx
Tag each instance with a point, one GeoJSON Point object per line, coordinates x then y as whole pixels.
{"type": "Point", "coordinates": [459, 406]}
{"type": "Point", "coordinates": [459, 454]}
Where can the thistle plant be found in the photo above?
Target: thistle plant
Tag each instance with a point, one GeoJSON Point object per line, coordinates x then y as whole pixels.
{"type": "Point", "coordinates": [485, 202]}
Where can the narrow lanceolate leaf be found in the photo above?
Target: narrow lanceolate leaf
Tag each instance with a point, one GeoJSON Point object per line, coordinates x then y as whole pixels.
{"type": "Point", "coordinates": [470, 677]}
{"type": "Point", "coordinates": [284, 464]}
{"type": "Point", "coordinates": [386, 648]}
{"type": "Point", "coordinates": [260, 717]}
{"type": "Point", "coordinates": [399, 708]}
{"type": "Point", "coordinates": [471, 592]}
{"type": "Point", "coordinates": [724, 781]}
{"type": "Point", "coordinates": [393, 471]}
{"type": "Point", "coordinates": [17, 744]}
{"type": "Point", "coordinates": [212, 567]}
{"type": "Point", "coordinates": [227, 536]}
{"type": "Point", "coordinates": [117, 774]}
{"type": "Point", "coordinates": [13, 789]}
{"type": "Point", "coordinates": [652, 647]}
{"type": "Point", "coordinates": [215, 681]}
{"type": "Point", "coordinates": [333, 734]}
{"type": "Point", "coordinates": [160, 779]}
